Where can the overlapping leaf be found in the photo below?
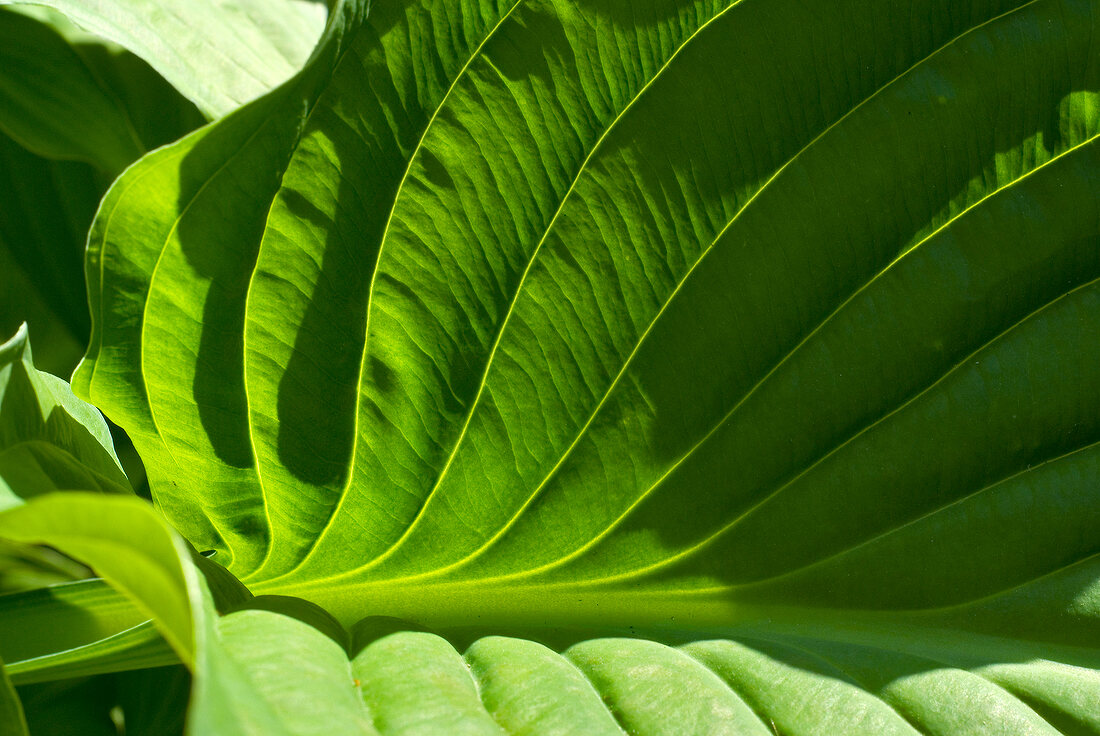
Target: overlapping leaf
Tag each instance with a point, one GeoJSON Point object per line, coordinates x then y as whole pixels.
{"type": "Point", "coordinates": [266, 672]}
{"type": "Point", "coordinates": [74, 112]}
{"type": "Point", "coordinates": [49, 439]}
{"type": "Point", "coordinates": [218, 54]}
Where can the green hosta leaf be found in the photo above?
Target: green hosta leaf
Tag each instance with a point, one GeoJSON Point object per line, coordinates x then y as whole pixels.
{"type": "Point", "coordinates": [92, 529]}
{"type": "Point", "coordinates": [65, 95]}
{"type": "Point", "coordinates": [269, 672]}
{"type": "Point", "coordinates": [47, 209]}
{"type": "Point", "coordinates": [132, 547]}
{"type": "Point", "coordinates": [62, 617]}
{"type": "Point", "coordinates": [767, 329]}
{"type": "Point", "coordinates": [54, 104]}
{"type": "Point", "coordinates": [217, 53]}
{"type": "Point", "coordinates": [68, 95]}
{"type": "Point", "coordinates": [73, 630]}
{"type": "Point", "coordinates": [27, 568]}
{"type": "Point", "coordinates": [49, 439]}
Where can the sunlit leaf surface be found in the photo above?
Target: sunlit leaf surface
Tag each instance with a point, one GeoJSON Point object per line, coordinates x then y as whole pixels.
{"type": "Point", "coordinates": [740, 353]}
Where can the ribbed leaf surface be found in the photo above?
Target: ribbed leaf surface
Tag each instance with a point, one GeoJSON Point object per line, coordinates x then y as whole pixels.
{"type": "Point", "coordinates": [542, 314]}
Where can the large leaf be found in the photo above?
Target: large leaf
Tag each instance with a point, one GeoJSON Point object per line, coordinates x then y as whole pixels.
{"type": "Point", "coordinates": [218, 53]}
{"type": "Point", "coordinates": [768, 323]}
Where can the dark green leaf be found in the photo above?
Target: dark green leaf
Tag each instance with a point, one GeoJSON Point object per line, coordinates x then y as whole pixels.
{"type": "Point", "coordinates": [12, 720]}
{"type": "Point", "coordinates": [54, 104]}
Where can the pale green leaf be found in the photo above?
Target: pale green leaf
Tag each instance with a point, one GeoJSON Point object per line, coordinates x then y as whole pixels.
{"type": "Point", "coordinates": [217, 53]}
{"type": "Point", "coordinates": [49, 439]}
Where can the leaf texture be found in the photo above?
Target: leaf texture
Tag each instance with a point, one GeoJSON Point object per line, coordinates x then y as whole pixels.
{"type": "Point", "coordinates": [267, 670]}
{"type": "Point", "coordinates": [537, 314]}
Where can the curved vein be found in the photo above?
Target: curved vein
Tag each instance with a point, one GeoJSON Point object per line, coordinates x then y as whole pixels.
{"type": "Point", "coordinates": [523, 280]}
{"type": "Point", "coordinates": [713, 537]}
{"type": "Point", "coordinates": [641, 340]}
{"type": "Point", "coordinates": [924, 517]}
{"type": "Point", "coordinates": [374, 277]}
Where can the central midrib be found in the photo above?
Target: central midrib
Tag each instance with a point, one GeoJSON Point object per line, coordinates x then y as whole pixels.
{"type": "Point", "coordinates": [473, 603]}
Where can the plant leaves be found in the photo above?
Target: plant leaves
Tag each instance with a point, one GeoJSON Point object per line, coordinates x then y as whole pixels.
{"type": "Point", "coordinates": [27, 568]}
{"type": "Point", "coordinates": [54, 104]}
{"type": "Point", "coordinates": [687, 319]}
{"type": "Point", "coordinates": [49, 439]}
{"type": "Point", "coordinates": [217, 54]}
{"type": "Point", "coordinates": [74, 630]}
{"type": "Point", "coordinates": [149, 702]}
{"type": "Point", "coordinates": [48, 209]}
{"type": "Point", "coordinates": [83, 705]}
{"type": "Point", "coordinates": [41, 622]}
{"type": "Point", "coordinates": [154, 702]}
{"type": "Point", "coordinates": [263, 672]}
{"type": "Point", "coordinates": [132, 547]}
{"type": "Point", "coordinates": [70, 96]}
{"type": "Point", "coordinates": [90, 528]}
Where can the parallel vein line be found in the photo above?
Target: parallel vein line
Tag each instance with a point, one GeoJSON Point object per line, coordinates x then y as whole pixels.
{"type": "Point", "coordinates": [97, 339]}
{"type": "Point", "coordinates": [611, 527]}
{"type": "Point", "coordinates": [347, 42]}
{"type": "Point", "coordinates": [523, 281]}
{"type": "Point", "coordinates": [925, 516]}
{"type": "Point", "coordinates": [144, 320]}
{"type": "Point", "coordinates": [725, 529]}
{"type": "Point", "coordinates": [374, 276]}
{"type": "Point", "coordinates": [642, 339]}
